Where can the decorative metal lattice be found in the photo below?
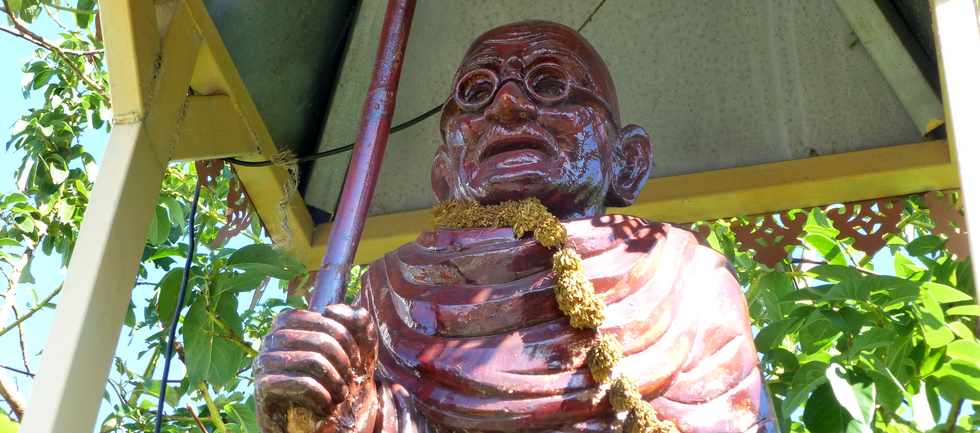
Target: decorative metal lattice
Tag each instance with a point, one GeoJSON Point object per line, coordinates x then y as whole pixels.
{"type": "Point", "coordinates": [868, 223]}
{"type": "Point", "coordinates": [946, 211]}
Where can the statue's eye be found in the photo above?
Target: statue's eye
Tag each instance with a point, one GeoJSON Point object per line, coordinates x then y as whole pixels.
{"type": "Point", "coordinates": [475, 88]}
{"type": "Point", "coordinates": [548, 82]}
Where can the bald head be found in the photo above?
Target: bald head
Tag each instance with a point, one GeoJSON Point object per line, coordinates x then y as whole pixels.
{"type": "Point", "coordinates": [539, 38]}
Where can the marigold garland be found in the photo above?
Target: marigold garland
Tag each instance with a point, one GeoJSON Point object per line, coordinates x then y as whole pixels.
{"type": "Point", "coordinates": [574, 292]}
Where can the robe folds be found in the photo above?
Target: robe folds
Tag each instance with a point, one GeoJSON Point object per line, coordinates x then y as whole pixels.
{"type": "Point", "coordinates": [471, 337]}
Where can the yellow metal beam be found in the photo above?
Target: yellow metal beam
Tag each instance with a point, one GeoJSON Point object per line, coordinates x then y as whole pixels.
{"type": "Point", "coordinates": [881, 172]}
{"type": "Point", "coordinates": [212, 128]}
{"type": "Point", "coordinates": [215, 74]}
{"type": "Point", "coordinates": [130, 55]}
{"type": "Point", "coordinates": [181, 43]}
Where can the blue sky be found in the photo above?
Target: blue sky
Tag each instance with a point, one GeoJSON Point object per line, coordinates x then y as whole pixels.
{"type": "Point", "coordinates": [47, 271]}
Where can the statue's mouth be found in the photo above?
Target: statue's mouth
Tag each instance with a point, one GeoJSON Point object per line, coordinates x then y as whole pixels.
{"type": "Point", "coordinates": [516, 150]}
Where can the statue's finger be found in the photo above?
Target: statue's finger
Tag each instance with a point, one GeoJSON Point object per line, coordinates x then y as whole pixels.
{"type": "Point", "coordinates": [310, 321]}
{"type": "Point", "coordinates": [289, 340]}
{"type": "Point", "coordinates": [358, 321]}
{"type": "Point", "coordinates": [278, 392]}
{"type": "Point", "coordinates": [304, 363]}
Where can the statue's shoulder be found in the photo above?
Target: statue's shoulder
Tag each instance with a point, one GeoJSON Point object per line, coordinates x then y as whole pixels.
{"type": "Point", "coordinates": [701, 256]}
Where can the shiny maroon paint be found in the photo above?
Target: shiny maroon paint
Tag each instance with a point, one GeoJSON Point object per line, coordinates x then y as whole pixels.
{"type": "Point", "coordinates": [570, 151]}
{"type": "Point", "coordinates": [379, 106]}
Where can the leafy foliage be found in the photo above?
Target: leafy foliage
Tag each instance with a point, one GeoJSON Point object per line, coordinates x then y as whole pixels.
{"type": "Point", "coordinates": [847, 348]}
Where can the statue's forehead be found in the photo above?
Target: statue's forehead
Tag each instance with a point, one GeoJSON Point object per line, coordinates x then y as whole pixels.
{"type": "Point", "coordinates": [531, 41]}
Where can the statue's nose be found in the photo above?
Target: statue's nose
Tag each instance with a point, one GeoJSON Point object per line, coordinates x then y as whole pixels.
{"type": "Point", "coordinates": [511, 105]}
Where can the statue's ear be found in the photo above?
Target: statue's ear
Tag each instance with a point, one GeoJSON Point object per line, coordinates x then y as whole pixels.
{"type": "Point", "coordinates": [440, 175]}
{"type": "Point", "coordinates": [632, 165]}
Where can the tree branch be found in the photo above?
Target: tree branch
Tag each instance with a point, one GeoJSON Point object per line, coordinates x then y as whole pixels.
{"type": "Point", "coordinates": [954, 413]}
{"type": "Point", "coordinates": [213, 412]}
{"type": "Point", "coordinates": [11, 395]}
{"type": "Point", "coordinates": [30, 312]}
{"type": "Point", "coordinates": [20, 338]}
{"type": "Point", "coordinates": [45, 44]}
{"type": "Point", "coordinates": [38, 40]}
{"type": "Point", "coordinates": [197, 419]}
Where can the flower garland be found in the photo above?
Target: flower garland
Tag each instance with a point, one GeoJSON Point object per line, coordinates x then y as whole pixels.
{"type": "Point", "coordinates": [575, 295]}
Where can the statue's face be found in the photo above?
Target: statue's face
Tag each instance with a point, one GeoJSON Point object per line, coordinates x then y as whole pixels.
{"type": "Point", "coordinates": [533, 113]}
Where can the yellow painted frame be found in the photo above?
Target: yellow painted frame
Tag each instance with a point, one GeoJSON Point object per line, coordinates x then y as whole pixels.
{"type": "Point", "coordinates": [882, 172]}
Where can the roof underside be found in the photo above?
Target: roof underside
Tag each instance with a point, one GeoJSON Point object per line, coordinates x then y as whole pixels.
{"type": "Point", "coordinates": [287, 54]}
{"type": "Point", "coordinates": [717, 87]}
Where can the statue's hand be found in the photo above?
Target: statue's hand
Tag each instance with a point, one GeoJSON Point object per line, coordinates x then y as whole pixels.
{"type": "Point", "coordinates": [313, 361]}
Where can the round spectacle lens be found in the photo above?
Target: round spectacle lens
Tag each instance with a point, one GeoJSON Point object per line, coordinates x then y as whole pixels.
{"type": "Point", "coordinates": [548, 83]}
{"type": "Point", "coordinates": [475, 89]}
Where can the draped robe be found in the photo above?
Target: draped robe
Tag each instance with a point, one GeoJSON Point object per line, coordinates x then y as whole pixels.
{"type": "Point", "coordinates": [471, 337]}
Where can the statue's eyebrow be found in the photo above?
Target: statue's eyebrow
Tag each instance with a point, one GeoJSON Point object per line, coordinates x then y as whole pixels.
{"type": "Point", "coordinates": [581, 70]}
{"type": "Point", "coordinates": [484, 60]}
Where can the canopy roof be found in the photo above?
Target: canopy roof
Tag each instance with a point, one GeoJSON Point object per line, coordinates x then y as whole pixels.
{"type": "Point", "coordinates": [786, 94]}
{"type": "Point", "coordinates": [717, 87]}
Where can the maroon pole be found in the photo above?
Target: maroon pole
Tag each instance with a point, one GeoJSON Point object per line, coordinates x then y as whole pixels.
{"type": "Point", "coordinates": [379, 106]}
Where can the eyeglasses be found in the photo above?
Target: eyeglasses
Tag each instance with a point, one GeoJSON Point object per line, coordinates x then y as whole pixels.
{"type": "Point", "coordinates": [546, 83]}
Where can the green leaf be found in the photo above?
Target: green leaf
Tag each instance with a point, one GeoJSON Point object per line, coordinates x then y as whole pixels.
{"type": "Point", "coordinates": [177, 215]}
{"type": "Point", "coordinates": [818, 223]}
{"type": "Point", "coordinates": [933, 322]}
{"type": "Point", "coordinates": [905, 267]}
{"type": "Point", "coordinates": [964, 310]}
{"type": "Point", "coordinates": [9, 242]}
{"type": "Point", "coordinates": [15, 6]}
{"type": "Point", "coordinates": [945, 294]}
{"type": "Point", "coordinates": [267, 261]}
{"type": "Point", "coordinates": [817, 333]}
{"type": "Point", "coordinates": [25, 276]}
{"type": "Point", "coordinates": [772, 334]}
{"type": "Point", "coordinates": [925, 245]}
{"type": "Point", "coordinates": [172, 251]}
{"type": "Point", "coordinates": [850, 288]}
{"type": "Point", "coordinates": [169, 289]}
{"type": "Point", "coordinates": [960, 330]}
{"type": "Point", "coordinates": [807, 378]}
{"type": "Point", "coordinates": [834, 273]}
{"type": "Point", "coordinates": [771, 289]}
{"type": "Point", "coordinates": [964, 350]}
{"type": "Point", "coordinates": [827, 247]}
{"type": "Point", "coordinates": [959, 380]}
{"type": "Point", "coordinates": [82, 18]}
{"type": "Point", "coordinates": [7, 425]}
{"type": "Point", "coordinates": [159, 227]}
{"type": "Point", "coordinates": [130, 320]}
{"type": "Point", "coordinates": [244, 416]}
{"type": "Point", "coordinates": [872, 339]}
{"type": "Point", "coordinates": [239, 281]}
{"type": "Point", "coordinates": [26, 224]}
{"type": "Point", "coordinates": [858, 399]}
{"type": "Point", "coordinates": [211, 356]}
{"type": "Point", "coordinates": [822, 414]}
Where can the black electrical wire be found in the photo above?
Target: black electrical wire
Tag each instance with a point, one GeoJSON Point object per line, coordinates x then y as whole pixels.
{"type": "Point", "coordinates": [192, 240]}
{"type": "Point", "coordinates": [407, 124]}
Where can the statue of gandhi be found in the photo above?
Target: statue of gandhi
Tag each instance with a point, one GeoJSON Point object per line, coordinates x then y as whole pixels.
{"type": "Point", "coordinates": [460, 331]}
